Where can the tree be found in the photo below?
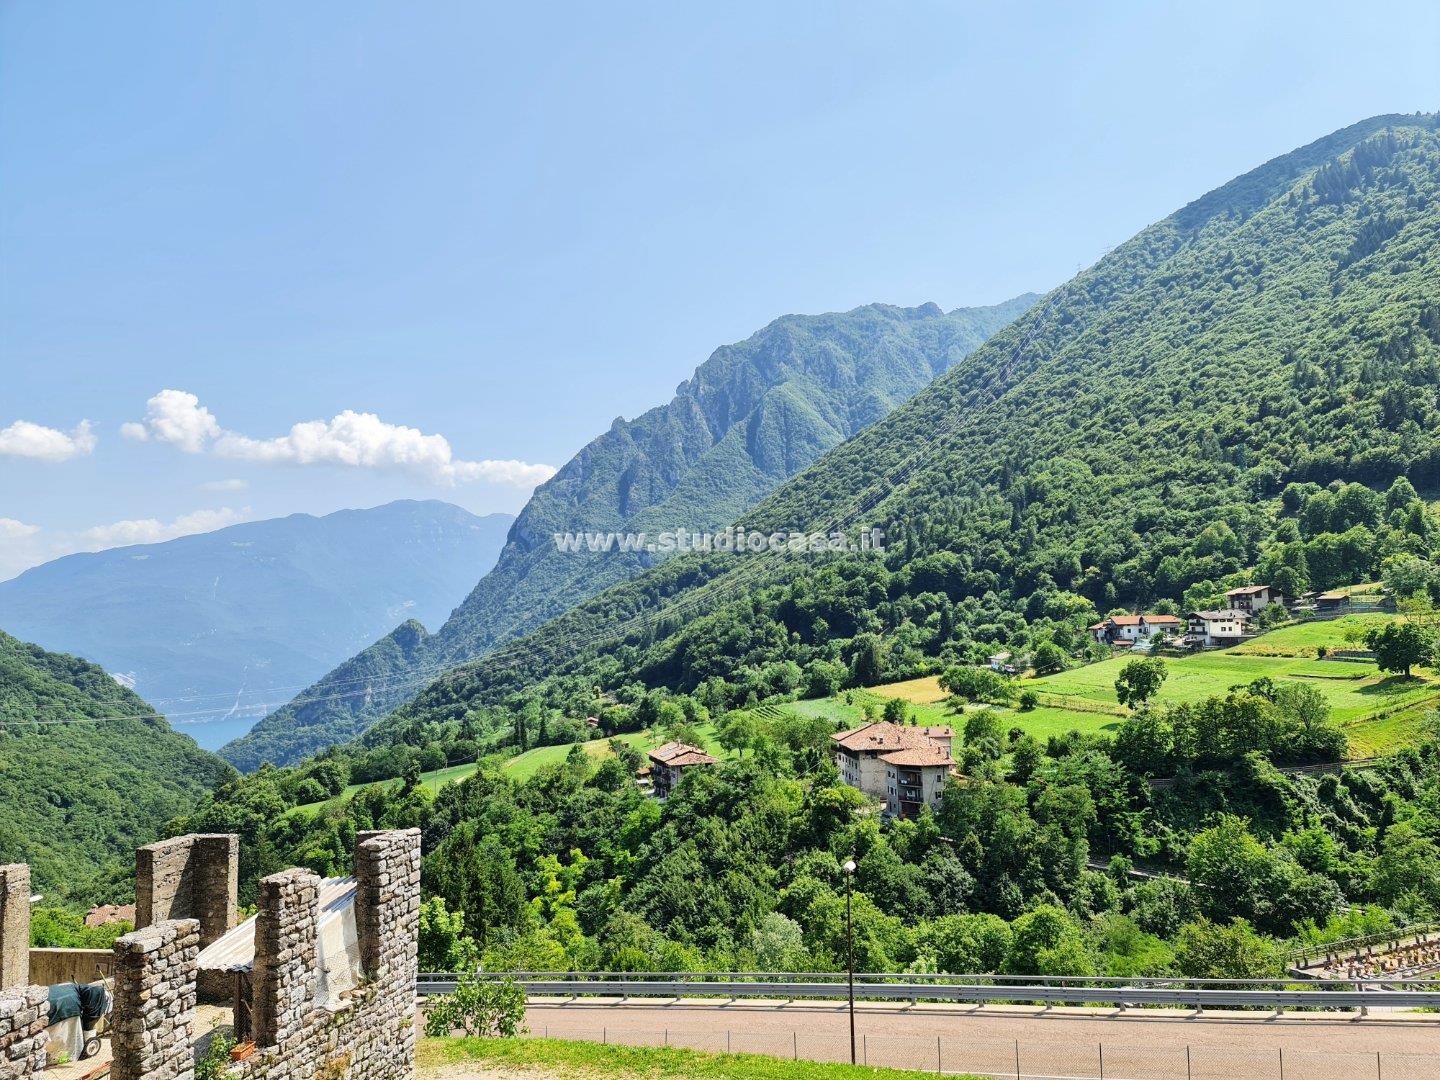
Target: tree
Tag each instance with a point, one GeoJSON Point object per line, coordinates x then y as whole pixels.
{"type": "Point", "coordinates": [1231, 950]}
{"type": "Point", "coordinates": [1140, 680]}
{"type": "Point", "coordinates": [1400, 646]}
{"type": "Point", "coordinates": [896, 711]}
{"type": "Point", "coordinates": [977, 684]}
{"type": "Point", "coordinates": [1408, 575]}
{"type": "Point", "coordinates": [443, 944]}
{"type": "Point", "coordinates": [738, 732]}
{"type": "Point", "coordinates": [967, 944]}
{"type": "Point", "coordinates": [477, 875]}
{"type": "Point", "coordinates": [1048, 941]}
{"type": "Point", "coordinates": [1048, 659]}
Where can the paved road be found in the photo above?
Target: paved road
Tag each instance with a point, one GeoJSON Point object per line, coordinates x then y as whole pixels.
{"type": "Point", "coordinates": [1149, 1043]}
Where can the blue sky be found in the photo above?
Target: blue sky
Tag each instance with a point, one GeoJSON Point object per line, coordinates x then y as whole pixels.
{"type": "Point", "coordinates": [504, 228]}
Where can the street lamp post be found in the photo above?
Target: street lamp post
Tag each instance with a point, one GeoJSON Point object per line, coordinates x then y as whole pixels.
{"type": "Point", "coordinates": [849, 869]}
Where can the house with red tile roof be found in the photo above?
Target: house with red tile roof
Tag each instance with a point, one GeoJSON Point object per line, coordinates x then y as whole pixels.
{"type": "Point", "coordinates": [1128, 629]}
{"type": "Point", "coordinates": [904, 767]}
{"type": "Point", "coordinates": [669, 761]}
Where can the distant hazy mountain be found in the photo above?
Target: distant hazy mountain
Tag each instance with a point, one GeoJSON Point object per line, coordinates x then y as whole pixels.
{"type": "Point", "coordinates": [217, 629]}
{"type": "Point", "coordinates": [754, 414]}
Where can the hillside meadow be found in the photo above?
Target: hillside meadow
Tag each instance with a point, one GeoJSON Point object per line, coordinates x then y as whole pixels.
{"type": "Point", "coordinates": [1379, 712]}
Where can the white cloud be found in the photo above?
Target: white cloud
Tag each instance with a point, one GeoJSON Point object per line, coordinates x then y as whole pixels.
{"type": "Point", "coordinates": [29, 545]}
{"type": "Point", "coordinates": [154, 531]}
{"type": "Point", "coordinates": [225, 485]}
{"type": "Point", "coordinates": [27, 440]}
{"type": "Point", "coordinates": [178, 418]}
{"type": "Point", "coordinates": [10, 529]}
{"type": "Point", "coordinates": [350, 439]}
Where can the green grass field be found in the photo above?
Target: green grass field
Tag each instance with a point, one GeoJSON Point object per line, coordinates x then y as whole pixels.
{"type": "Point", "coordinates": [543, 1058]}
{"type": "Point", "coordinates": [1379, 712]}
{"type": "Point", "coordinates": [522, 767]}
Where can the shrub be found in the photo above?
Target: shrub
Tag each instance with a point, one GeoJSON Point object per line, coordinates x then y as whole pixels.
{"type": "Point", "coordinates": [479, 1008]}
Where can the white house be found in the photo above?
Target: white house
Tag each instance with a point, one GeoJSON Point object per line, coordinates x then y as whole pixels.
{"type": "Point", "coordinates": [1128, 629]}
{"type": "Point", "coordinates": [1213, 628]}
{"type": "Point", "coordinates": [1251, 598]}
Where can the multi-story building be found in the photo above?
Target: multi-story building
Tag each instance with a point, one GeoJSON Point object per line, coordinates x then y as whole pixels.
{"type": "Point", "coordinates": [904, 767]}
{"type": "Point", "coordinates": [667, 762]}
{"type": "Point", "coordinates": [1128, 629]}
{"type": "Point", "coordinates": [1214, 628]}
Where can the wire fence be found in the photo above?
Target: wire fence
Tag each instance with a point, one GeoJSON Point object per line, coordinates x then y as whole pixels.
{"type": "Point", "coordinates": [1058, 1059]}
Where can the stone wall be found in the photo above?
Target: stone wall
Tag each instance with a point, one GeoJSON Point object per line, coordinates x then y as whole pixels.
{"type": "Point", "coordinates": [154, 1012]}
{"type": "Point", "coordinates": [23, 1012]}
{"type": "Point", "coordinates": [191, 877]}
{"type": "Point", "coordinates": [14, 926]}
{"type": "Point", "coordinates": [51, 966]}
{"type": "Point", "coordinates": [367, 1033]}
{"type": "Point", "coordinates": [284, 977]}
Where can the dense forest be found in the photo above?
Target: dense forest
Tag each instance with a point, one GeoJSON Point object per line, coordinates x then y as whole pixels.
{"type": "Point", "coordinates": [753, 414]}
{"type": "Point", "coordinates": [1025, 867]}
{"type": "Point", "coordinates": [81, 793]}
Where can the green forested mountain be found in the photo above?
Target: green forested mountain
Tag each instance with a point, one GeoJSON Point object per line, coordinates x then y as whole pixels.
{"type": "Point", "coordinates": [1246, 390]}
{"type": "Point", "coordinates": [87, 771]}
{"type": "Point", "coordinates": [1170, 416]}
{"type": "Point", "coordinates": [753, 414]}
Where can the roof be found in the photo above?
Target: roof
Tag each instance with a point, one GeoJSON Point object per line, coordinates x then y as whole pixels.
{"type": "Point", "coordinates": [915, 757]}
{"type": "Point", "coordinates": [1338, 594]}
{"type": "Point", "coordinates": [235, 951]}
{"type": "Point", "coordinates": [937, 731]}
{"type": "Point", "coordinates": [1228, 615]}
{"type": "Point", "coordinates": [884, 736]}
{"type": "Point", "coordinates": [1134, 620]}
{"type": "Point", "coordinates": [677, 755]}
{"type": "Point", "coordinates": [1248, 590]}
{"type": "Point", "coordinates": [103, 914]}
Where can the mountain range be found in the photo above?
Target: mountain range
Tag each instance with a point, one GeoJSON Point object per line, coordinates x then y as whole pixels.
{"type": "Point", "coordinates": [1139, 433]}
{"type": "Point", "coordinates": [217, 628]}
{"type": "Point", "coordinates": [752, 415]}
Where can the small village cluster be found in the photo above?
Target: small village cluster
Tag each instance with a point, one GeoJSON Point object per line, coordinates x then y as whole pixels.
{"type": "Point", "coordinates": [1215, 629]}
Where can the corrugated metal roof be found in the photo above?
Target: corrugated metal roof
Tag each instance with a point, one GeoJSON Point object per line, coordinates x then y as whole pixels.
{"type": "Point", "coordinates": [236, 950]}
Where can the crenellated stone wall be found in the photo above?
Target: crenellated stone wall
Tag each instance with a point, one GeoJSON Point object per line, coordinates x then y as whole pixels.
{"type": "Point", "coordinates": [189, 877]}
{"type": "Point", "coordinates": [14, 926]}
{"type": "Point", "coordinates": [23, 1012]}
{"type": "Point", "coordinates": [367, 1033]}
{"type": "Point", "coordinates": [285, 977]}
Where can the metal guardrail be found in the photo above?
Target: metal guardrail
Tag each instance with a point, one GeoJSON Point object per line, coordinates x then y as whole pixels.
{"type": "Point", "coordinates": [1199, 994]}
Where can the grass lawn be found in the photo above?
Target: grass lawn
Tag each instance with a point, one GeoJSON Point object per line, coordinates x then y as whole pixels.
{"type": "Point", "coordinates": [558, 1057]}
{"type": "Point", "coordinates": [1378, 712]}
